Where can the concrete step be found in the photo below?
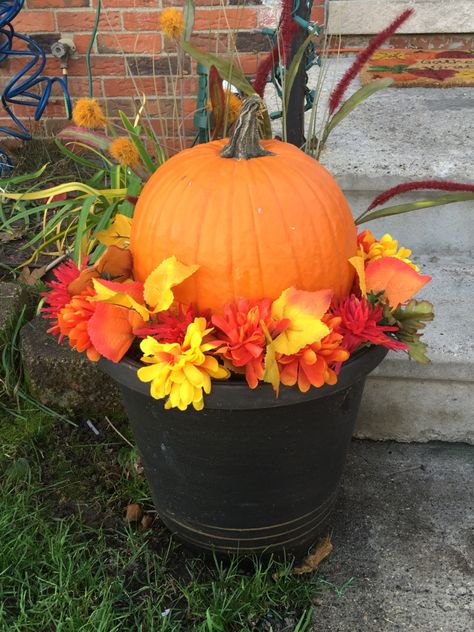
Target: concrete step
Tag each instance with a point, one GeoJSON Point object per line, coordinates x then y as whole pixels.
{"type": "Point", "coordinates": [401, 135]}
{"type": "Point", "coordinates": [407, 401]}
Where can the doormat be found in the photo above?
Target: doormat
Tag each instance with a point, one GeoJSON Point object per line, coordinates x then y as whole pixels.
{"type": "Point", "coordinates": [428, 68]}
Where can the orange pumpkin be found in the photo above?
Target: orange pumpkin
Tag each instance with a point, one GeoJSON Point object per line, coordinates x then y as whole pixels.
{"type": "Point", "coordinates": [262, 219]}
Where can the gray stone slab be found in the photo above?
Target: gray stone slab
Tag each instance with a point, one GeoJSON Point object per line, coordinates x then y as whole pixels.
{"type": "Point", "coordinates": [407, 401]}
{"type": "Point", "coordinates": [403, 531]}
{"type": "Point", "coordinates": [12, 299]}
{"type": "Point", "coordinates": [65, 379]}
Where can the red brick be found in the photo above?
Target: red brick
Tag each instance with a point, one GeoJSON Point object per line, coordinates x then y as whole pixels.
{"type": "Point", "coordinates": [125, 86]}
{"type": "Point", "coordinates": [34, 22]}
{"type": "Point", "coordinates": [129, 4]}
{"type": "Point", "coordinates": [129, 43]}
{"type": "Point", "coordinates": [60, 4]}
{"type": "Point", "coordinates": [317, 15]}
{"type": "Point", "coordinates": [141, 20]}
{"type": "Point", "coordinates": [225, 19]}
{"type": "Point", "coordinates": [84, 21]}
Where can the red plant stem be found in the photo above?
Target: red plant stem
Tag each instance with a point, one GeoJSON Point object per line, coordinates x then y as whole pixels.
{"type": "Point", "coordinates": [286, 32]}
{"type": "Point", "coordinates": [440, 185]}
{"type": "Point", "coordinates": [374, 44]}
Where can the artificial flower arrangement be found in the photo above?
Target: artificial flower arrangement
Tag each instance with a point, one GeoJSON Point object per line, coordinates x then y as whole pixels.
{"type": "Point", "coordinates": [148, 297]}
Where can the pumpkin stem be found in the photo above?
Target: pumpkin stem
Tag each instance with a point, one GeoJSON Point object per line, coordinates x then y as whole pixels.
{"type": "Point", "coordinates": [244, 142]}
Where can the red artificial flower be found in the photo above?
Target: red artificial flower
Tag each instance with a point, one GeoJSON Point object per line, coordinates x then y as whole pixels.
{"type": "Point", "coordinates": [316, 364]}
{"type": "Point", "coordinates": [73, 321]}
{"type": "Point", "coordinates": [359, 324]}
{"type": "Point", "coordinates": [58, 294]}
{"type": "Point", "coordinates": [169, 326]}
{"type": "Point", "coordinates": [241, 337]}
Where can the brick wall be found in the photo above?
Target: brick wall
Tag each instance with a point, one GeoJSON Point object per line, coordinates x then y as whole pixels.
{"type": "Point", "coordinates": [131, 56]}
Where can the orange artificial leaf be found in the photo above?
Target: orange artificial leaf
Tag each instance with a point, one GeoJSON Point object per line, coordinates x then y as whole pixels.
{"type": "Point", "coordinates": [122, 294]}
{"type": "Point", "coordinates": [111, 330]}
{"type": "Point", "coordinates": [397, 279]}
{"type": "Point", "coordinates": [304, 311]}
{"type": "Point", "coordinates": [83, 281]}
{"type": "Point", "coordinates": [359, 264]}
{"type": "Point", "coordinates": [118, 233]}
{"type": "Point", "coordinates": [115, 264]}
{"type": "Point", "coordinates": [217, 98]}
{"type": "Point", "coordinates": [157, 287]}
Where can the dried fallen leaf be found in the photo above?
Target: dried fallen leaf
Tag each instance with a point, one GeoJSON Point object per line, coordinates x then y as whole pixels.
{"type": "Point", "coordinates": [31, 277]}
{"type": "Point", "coordinates": [134, 513]}
{"type": "Point", "coordinates": [147, 521]}
{"type": "Point", "coordinates": [311, 562]}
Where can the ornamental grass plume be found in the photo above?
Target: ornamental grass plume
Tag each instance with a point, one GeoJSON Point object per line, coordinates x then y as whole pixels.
{"type": "Point", "coordinates": [124, 152]}
{"type": "Point", "coordinates": [419, 185]}
{"type": "Point", "coordinates": [88, 113]}
{"type": "Point", "coordinates": [172, 22]}
{"type": "Point", "coordinates": [286, 32]}
{"type": "Point", "coordinates": [364, 56]}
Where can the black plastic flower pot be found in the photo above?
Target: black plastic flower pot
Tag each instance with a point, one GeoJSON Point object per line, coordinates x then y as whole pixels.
{"type": "Point", "coordinates": [250, 473]}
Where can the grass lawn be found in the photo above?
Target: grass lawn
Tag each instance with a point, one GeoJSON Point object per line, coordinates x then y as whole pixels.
{"type": "Point", "coordinates": [69, 562]}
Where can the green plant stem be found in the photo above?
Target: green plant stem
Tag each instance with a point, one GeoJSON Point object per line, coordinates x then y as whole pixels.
{"type": "Point", "coordinates": [91, 44]}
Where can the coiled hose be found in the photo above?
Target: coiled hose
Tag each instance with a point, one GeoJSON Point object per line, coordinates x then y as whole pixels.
{"type": "Point", "coordinates": [20, 89]}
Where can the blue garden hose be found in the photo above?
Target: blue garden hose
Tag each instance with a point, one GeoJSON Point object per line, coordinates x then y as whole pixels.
{"type": "Point", "coordinates": [19, 90]}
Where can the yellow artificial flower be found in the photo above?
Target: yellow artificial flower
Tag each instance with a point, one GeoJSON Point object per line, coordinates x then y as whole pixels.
{"type": "Point", "coordinates": [172, 22]}
{"type": "Point", "coordinates": [88, 113]}
{"type": "Point", "coordinates": [124, 152]}
{"type": "Point", "coordinates": [181, 372]}
{"type": "Point", "coordinates": [371, 249]}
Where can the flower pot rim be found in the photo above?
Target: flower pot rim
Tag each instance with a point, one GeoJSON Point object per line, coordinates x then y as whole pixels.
{"type": "Point", "coordinates": [235, 394]}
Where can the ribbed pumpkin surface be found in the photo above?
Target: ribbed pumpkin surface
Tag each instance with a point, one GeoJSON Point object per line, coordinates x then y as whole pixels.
{"type": "Point", "coordinates": [254, 226]}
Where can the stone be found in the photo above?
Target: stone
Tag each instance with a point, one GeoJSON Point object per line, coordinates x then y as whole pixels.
{"type": "Point", "coordinates": [12, 299]}
{"type": "Point", "coordinates": [402, 536]}
{"type": "Point", "coordinates": [352, 17]}
{"type": "Point", "coordinates": [64, 379]}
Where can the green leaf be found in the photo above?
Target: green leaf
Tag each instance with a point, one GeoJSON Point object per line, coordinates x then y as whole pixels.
{"type": "Point", "coordinates": [226, 69]}
{"type": "Point", "coordinates": [81, 228]}
{"type": "Point", "coordinates": [135, 185]}
{"type": "Point", "coordinates": [355, 100]}
{"type": "Point", "coordinates": [23, 178]}
{"type": "Point", "coordinates": [188, 19]}
{"type": "Point", "coordinates": [73, 156]}
{"type": "Point", "coordinates": [133, 133]}
{"type": "Point", "coordinates": [450, 198]}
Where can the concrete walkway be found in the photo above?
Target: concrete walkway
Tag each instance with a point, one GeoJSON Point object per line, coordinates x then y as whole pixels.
{"type": "Point", "coordinates": [404, 530]}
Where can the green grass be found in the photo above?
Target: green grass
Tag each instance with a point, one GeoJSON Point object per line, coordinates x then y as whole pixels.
{"type": "Point", "coordinates": [69, 562]}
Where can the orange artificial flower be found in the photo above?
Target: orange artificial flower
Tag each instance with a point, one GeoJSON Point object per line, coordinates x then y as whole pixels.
{"type": "Point", "coordinates": [313, 365]}
{"type": "Point", "coordinates": [172, 22]}
{"type": "Point", "coordinates": [88, 113]}
{"type": "Point", "coordinates": [73, 321]}
{"type": "Point", "coordinates": [124, 152]}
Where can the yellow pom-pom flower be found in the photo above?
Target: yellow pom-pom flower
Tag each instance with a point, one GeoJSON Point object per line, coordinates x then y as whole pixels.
{"type": "Point", "coordinates": [181, 372]}
{"type": "Point", "coordinates": [233, 106]}
{"type": "Point", "coordinates": [88, 113]}
{"type": "Point", "coordinates": [172, 22]}
{"type": "Point", "coordinates": [124, 152]}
